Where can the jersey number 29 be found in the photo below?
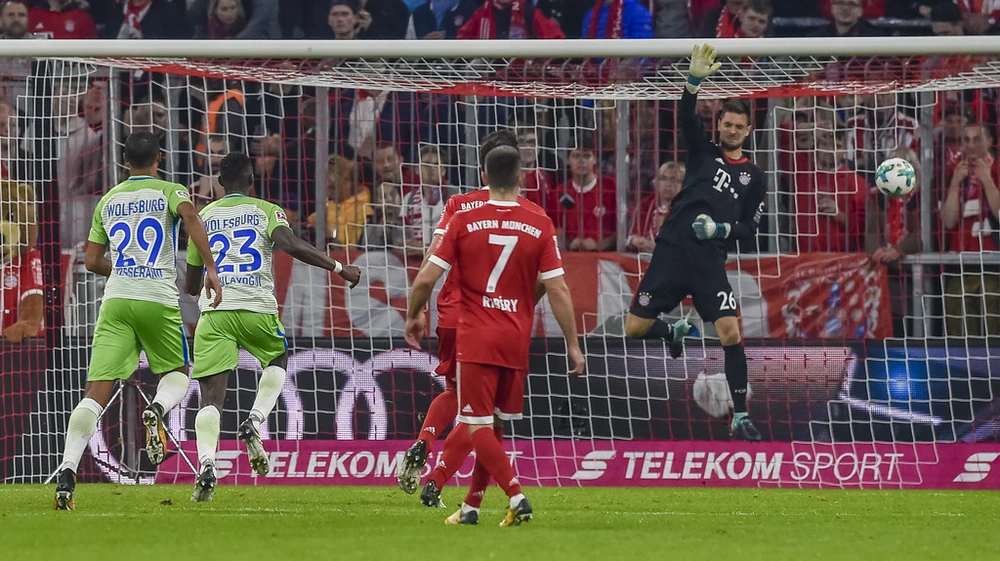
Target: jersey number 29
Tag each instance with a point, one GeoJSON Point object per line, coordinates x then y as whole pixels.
{"type": "Point", "coordinates": [152, 247]}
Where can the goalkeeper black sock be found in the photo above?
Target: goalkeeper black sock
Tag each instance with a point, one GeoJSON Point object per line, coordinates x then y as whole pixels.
{"type": "Point", "coordinates": [660, 330]}
{"type": "Point", "coordinates": [736, 375]}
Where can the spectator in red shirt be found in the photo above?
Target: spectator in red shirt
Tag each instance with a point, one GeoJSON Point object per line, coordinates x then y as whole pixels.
{"type": "Point", "coordinates": [587, 214]}
{"type": "Point", "coordinates": [63, 19]}
{"type": "Point", "coordinates": [654, 208]}
{"type": "Point", "coordinates": [972, 203]}
{"type": "Point", "coordinates": [722, 21]}
{"type": "Point", "coordinates": [538, 183]}
{"type": "Point", "coordinates": [388, 166]}
{"type": "Point", "coordinates": [948, 147]}
{"type": "Point", "coordinates": [969, 217]}
{"type": "Point", "coordinates": [509, 19]}
{"type": "Point", "coordinates": [754, 19]}
{"type": "Point", "coordinates": [830, 201]}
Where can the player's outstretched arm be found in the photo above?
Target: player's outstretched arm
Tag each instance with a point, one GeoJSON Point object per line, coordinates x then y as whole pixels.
{"type": "Point", "coordinates": [95, 260]}
{"type": "Point", "coordinates": [562, 307]}
{"type": "Point", "coordinates": [420, 295]}
{"type": "Point", "coordinates": [199, 237]}
{"type": "Point", "coordinates": [703, 64]}
{"type": "Point", "coordinates": [286, 240]}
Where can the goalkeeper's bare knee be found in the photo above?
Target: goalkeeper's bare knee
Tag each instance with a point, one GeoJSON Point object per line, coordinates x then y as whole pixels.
{"type": "Point", "coordinates": [636, 327]}
{"type": "Point", "coordinates": [728, 329]}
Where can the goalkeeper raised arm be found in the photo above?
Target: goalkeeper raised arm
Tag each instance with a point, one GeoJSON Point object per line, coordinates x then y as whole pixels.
{"type": "Point", "coordinates": [721, 198]}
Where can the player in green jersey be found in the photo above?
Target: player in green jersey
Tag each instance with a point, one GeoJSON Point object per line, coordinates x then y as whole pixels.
{"type": "Point", "coordinates": [138, 220]}
{"type": "Point", "coordinates": [243, 232]}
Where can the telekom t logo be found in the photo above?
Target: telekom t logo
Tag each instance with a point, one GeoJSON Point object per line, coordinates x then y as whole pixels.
{"type": "Point", "coordinates": [977, 467]}
{"type": "Point", "coordinates": [594, 465]}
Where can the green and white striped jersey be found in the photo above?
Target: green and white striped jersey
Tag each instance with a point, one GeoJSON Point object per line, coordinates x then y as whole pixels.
{"type": "Point", "coordinates": [138, 220]}
{"type": "Point", "coordinates": [239, 233]}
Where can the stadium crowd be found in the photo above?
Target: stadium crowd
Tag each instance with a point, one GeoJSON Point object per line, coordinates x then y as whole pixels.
{"type": "Point", "coordinates": [394, 158]}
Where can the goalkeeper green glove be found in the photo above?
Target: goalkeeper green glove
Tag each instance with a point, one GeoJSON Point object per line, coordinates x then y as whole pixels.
{"type": "Point", "coordinates": [703, 63]}
{"type": "Point", "coordinates": [706, 229]}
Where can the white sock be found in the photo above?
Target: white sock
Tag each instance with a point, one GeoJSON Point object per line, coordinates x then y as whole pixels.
{"type": "Point", "coordinates": [268, 390]}
{"type": "Point", "coordinates": [82, 425]}
{"type": "Point", "coordinates": [516, 500]}
{"type": "Point", "coordinates": [171, 390]}
{"type": "Point", "coordinates": [206, 429]}
{"type": "Point", "coordinates": [467, 508]}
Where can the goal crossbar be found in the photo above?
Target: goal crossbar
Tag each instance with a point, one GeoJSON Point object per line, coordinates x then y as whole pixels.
{"type": "Point", "coordinates": [522, 48]}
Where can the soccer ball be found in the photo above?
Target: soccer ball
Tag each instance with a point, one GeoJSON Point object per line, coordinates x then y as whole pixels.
{"type": "Point", "coordinates": [895, 177]}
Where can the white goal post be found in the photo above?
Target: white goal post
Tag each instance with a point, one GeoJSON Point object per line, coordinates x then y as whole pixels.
{"type": "Point", "coordinates": [871, 324]}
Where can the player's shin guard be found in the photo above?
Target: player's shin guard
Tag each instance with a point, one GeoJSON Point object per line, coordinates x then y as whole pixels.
{"type": "Point", "coordinates": [268, 390]}
{"type": "Point", "coordinates": [480, 477]}
{"type": "Point", "coordinates": [206, 427]}
{"type": "Point", "coordinates": [82, 425]}
{"type": "Point", "coordinates": [456, 448]}
{"type": "Point", "coordinates": [170, 391]}
{"type": "Point", "coordinates": [440, 414]}
{"type": "Point", "coordinates": [490, 452]}
{"type": "Point", "coordinates": [736, 375]}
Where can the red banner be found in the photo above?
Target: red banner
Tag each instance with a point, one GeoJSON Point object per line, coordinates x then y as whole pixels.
{"type": "Point", "coordinates": [839, 296]}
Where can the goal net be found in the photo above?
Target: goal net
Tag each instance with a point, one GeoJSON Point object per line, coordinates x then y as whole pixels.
{"type": "Point", "coordinates": [870, 323]}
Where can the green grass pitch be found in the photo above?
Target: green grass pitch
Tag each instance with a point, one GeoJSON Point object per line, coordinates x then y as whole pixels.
{"type": "Point", "coordinates": [124, 522]}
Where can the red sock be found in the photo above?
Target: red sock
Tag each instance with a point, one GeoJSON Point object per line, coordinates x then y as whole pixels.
{"type": "Point", "coordinates": [481, 477]}
{"type": "Point", "coordinates": [490, 452]}
{"type": "Point", "coordinates": [457, 447]}
{"type": "Point", "coordinates": [440, 414]}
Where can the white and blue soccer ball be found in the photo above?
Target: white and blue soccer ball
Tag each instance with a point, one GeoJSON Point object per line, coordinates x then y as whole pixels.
{"type": "Point", "coordinates": [895, 177]}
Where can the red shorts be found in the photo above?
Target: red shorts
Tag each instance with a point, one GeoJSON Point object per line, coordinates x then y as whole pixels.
{"type": "Point", "coordinates": [485, 390]}
{"type": "Point", "coordinates": [446, 355]}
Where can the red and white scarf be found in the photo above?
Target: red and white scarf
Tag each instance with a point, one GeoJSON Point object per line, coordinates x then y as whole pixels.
{"type": "Point", "coordinates": [725, 28]}
{"type": "Point", "coordinates": [518, 27]}
{"type": "Point", "coordinates": [613, 27]}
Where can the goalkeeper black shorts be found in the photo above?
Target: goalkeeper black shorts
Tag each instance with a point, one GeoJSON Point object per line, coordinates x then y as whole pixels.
{"type": "Point", "coordinates": [676, 272]}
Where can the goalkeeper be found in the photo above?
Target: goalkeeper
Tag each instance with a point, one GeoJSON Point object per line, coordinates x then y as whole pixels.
{"type": "Point", "coordinates": [243, 232]}
{"type": "Point", "coordinates": [721, 199]}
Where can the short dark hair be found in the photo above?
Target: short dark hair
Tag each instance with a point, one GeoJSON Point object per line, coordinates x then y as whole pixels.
{"type": "Point", "coordinates": [952, 110]}
{"type": "Point", "coordinates": [760, 6]}
{"type": "Point", "coordinates": [383, 144]}
{"type": "Point", "coordinates": [351, 4]}
{"type": "Point", "coordinates": [235, 172]}
{"type": "Point", "coordinates": [946, 12]}
{"type": "Point", "coordinates": [25, 3]}
{"type": "Point", "coordinates": [502, 137]}
{"type": "Point", "coordinates": [586, 143]}
{"type": "Point", "coordinates": [503, 167]}
{"type": "Point", "coordinates": [735, 106]}
{"type": "Point", "coordinates": [430, 150]}
{"type": "Point", "coordinates": [141, 149]}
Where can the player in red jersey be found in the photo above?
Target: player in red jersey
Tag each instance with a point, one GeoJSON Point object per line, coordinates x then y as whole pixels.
{"type": "Point", "coordinates": [443, 409]}
{"type": "Point", "coordinates": [497, 252]}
